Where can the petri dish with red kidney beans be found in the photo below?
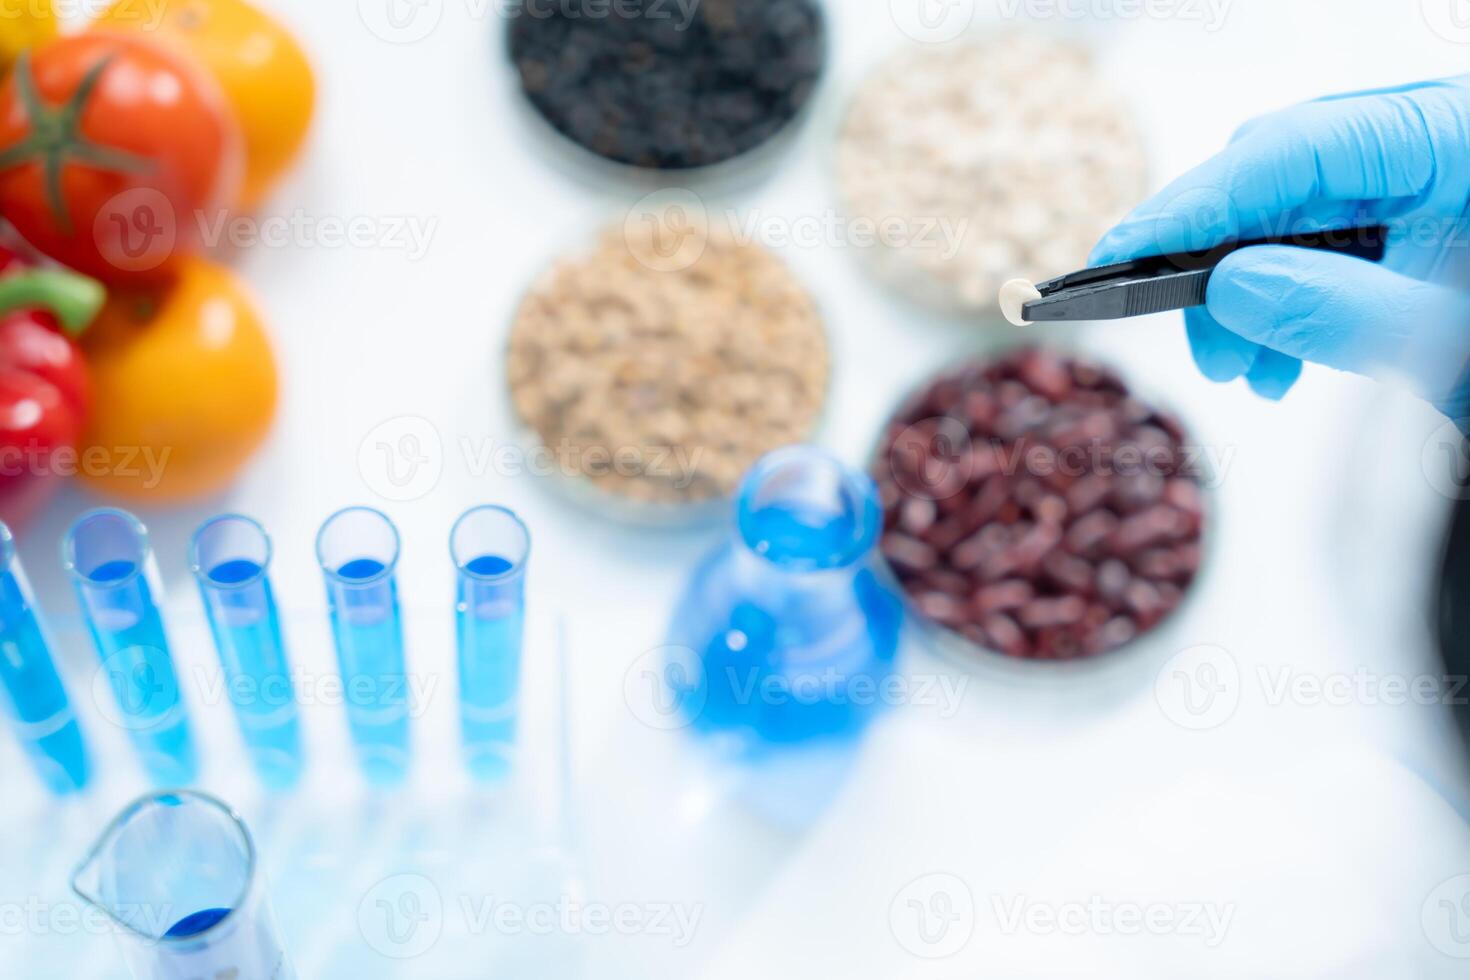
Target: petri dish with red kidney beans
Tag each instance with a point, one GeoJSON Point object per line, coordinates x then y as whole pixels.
{"type": "Point", "coordinates": [1035, 507]}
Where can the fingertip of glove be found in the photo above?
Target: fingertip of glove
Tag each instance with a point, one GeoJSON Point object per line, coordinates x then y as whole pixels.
{"type": "Point", "coordinates": [1274, 375]}
{"type": "Point", "coordinates": [1221, 364]}
{"type": "Point", "coordinates": [1220, 355]}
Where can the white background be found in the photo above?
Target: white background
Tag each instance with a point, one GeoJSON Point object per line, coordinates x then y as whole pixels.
{"type": "Point", "coordinates": [1311, 825]}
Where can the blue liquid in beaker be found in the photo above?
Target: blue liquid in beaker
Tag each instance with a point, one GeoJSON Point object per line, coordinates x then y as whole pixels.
{"type": "Point", "coordinates": [193, 925]}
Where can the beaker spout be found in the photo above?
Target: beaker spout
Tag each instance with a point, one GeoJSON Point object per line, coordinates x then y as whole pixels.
{"type": "Point", "coordinates": [85, 880]}
{"type": "Point", "coordinates": [176, 872]}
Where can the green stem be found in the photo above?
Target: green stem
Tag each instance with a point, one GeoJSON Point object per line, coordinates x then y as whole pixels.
{"type": "Point", "coordinates": [74, 299]}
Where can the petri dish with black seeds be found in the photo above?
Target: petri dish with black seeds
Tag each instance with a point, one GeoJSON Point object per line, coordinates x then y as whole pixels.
{"type": "Point", "coordinates": [668, 85]}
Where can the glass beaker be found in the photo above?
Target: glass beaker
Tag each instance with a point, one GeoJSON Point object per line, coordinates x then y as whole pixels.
{"type": "Point", "coordinates": [789, 634]}
{"type": "Point", "coordinates": [177, 875]}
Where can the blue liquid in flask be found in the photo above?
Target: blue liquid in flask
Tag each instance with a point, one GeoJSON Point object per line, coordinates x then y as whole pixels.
{"type": "Point", "coordinates": [792, 633]}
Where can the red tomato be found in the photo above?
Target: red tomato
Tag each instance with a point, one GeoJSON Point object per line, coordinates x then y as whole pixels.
{"type": "Point", "coordinates": [114, 154]}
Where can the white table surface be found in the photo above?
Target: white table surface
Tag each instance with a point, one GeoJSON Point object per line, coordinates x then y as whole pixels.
{"type": "Point", "coordinates": [1306, 825]}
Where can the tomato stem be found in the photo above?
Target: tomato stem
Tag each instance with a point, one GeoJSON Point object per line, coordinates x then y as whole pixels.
{"type": "Point", "coordinates": [74, 299]}
{"type": "Point", "coordinates": [56, 137]}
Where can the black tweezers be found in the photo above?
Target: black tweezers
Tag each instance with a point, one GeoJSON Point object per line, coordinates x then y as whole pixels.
{"type": "Point", "coordinates": [1174, 282]}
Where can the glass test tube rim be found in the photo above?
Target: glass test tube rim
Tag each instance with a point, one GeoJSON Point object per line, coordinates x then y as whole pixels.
{"type": "Point", "coordinates": [518, 570]}
{"type": "Point", "coordinates": [389, 566]}
{"type": "Point", "coordinates": [131, 810]}
{"type": "Point", "coordinates": [850, 480]}
{"type": "Point", "coordinates": [202, 574]}
{"type": "Point", "coordinates": [140, 533]}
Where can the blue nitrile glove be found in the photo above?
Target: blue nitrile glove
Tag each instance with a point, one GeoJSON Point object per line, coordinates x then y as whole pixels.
{"type": "Point", "coordinates": [1398, 157]}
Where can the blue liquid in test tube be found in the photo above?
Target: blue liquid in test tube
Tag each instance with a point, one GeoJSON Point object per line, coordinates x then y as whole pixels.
{"type": "Point", "coordinates": [358, 550]}
{"type": "Point", "coordinates": [30, 687]}
{"type": "Point", "coordinates": [230, 557]}
{"type": "Point", "coordinates": [107, 555]}
{"type": "Point", "coordinates": [489, 546]}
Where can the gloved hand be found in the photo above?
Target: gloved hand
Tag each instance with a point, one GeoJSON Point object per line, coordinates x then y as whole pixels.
{"type": "Point", "coordinates": [1398, 157]}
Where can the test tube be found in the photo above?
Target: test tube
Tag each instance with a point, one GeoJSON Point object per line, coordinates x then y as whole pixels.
{"type": "Point", "coordinates": [230, 557]}
{"type": "Point", "coordinates": [489, 546]}
{"type": "Point", "coordinates": [358, 551]}
{"type": "Point", "coordinates": [106, 553]}
{"type": "Point", "coordinates": [177, 874]}
{"type": "Point", "coordinates": [32, 689]}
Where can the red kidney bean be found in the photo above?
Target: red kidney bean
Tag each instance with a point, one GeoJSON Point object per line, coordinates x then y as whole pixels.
{"type": "Point", "coordinates": [1046, 374]}
{"type": "Point", "coordinates": [987, 503]}
{"type": "Point", "coordinates": [1113, 634]}
{"type": "Point", "coordinates": [1068, 572]}
{"type": "Point", "coordinates": [949, 532]}
{"type": "Point", "coordinates": [1113, 578]}
{"type": "Point", "coordinates": [908, 553]}
{"type": "Point", "coordinates": [1156, 525]}
{"type": "Point", "coordinates": [1088, 534]}
{"type": "Point", "coordinates": [1006, 636]}
{"type": "Point", "coordinates": [969, 554]}
{"type": "Point", "coordinates": [942, 608]}
{"type": "Point", "coordinates": [917, 515]}
{"type": "Point", "coordinates": [1040, 613]}
{"type": "Point", "coordinates": [946, 580]}
{"type": "Point", "coordinates": [1050, 509]}
{"type": "Point", "coordinates": [1001, 597]}
{"type": "Point", "coordinates": [1088, 493]}
{"type": "Point", "coordinates": [1157, 563]}
{"type": "Point", "coordinates": [1037, 508]}
{"type": "Point", "coordinates": [1136, 491]}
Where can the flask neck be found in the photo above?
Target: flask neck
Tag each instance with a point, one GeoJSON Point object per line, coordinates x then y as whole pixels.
{"type": "Point", "coordinates": [803, 516]}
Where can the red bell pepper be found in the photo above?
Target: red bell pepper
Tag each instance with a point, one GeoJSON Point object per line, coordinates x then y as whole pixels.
{"type": "Point", "coordinates": [44, 387]}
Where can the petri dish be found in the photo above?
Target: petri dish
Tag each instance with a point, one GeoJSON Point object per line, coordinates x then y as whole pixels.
{"type": "Point", "coordinates": [1038, 511]}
